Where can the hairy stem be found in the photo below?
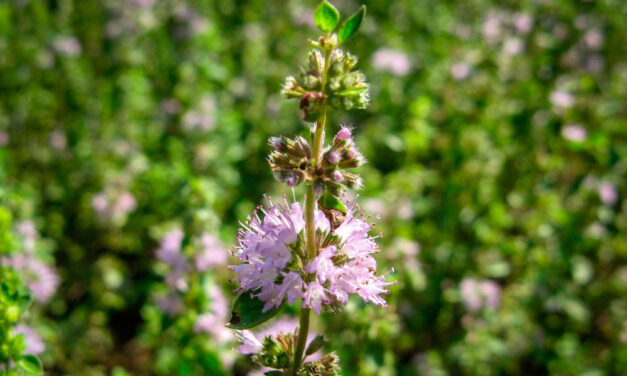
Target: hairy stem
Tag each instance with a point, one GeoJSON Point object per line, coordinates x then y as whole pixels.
{"type": "Point", "coordinates": [310, 229]}
{"type": "Point", "coordinates": [302, 339]}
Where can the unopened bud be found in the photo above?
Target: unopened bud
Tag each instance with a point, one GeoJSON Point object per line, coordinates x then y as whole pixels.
{"type": "Point", "coordinates": [277, 143]}
{"type": "Point", "coordinates": [315, 345]}
{"type": "Point", "coordinates": [343, 134]}
{"type": "Point", "coordinates": [337, 176]}
{"type": "Point", "coordinates": [333, 157]}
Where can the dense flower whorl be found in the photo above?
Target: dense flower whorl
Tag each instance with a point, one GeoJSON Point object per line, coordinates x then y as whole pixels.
{"type": "Point", "coordinates": [274, 263]}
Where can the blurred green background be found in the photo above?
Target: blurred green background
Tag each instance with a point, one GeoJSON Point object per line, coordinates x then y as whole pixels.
{"type": "Point", "coordinates": [497, 147]}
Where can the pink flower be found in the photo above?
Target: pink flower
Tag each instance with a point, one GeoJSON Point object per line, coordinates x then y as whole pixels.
{"type": "Point", "coordinates": [574, 132]}
{"type": "Point", "coordinates": [460, 71]}
{"type": "Point", "coordinates": [562, 99]}
{"type": "Point", "coordinates": [315, 296]}
{"type": "Point", "coordinates": [169, 250]}
{"type": "Point", "coordinates": [212, 253]}
{"type": "Point", "coordinates": [41, 279]}
{"type": "Point", "coordinates": [392, 61]}
{"type": "Point", "coordinates": [608, 193]}
{"type": "Point", "coordinates": [346, 266]}
{"type": "Point", "coordinates": [170, 304]}
{"type": "Point", "coordinates": [34, 343]}
{"type": "Point", "coordinates": [212, 321]}
{"type": "Point", "coordinates": [249, 343]}
{"type": "Point", "coordinates": [344, 134]}
{"type": "Point", "coordinates": [478, 294]}
{"type": "Point", "coordinates": [67, 46]}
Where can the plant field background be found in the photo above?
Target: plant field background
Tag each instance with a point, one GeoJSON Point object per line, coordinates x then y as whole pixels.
{"type": "Point", "coordinates": [497, 147]}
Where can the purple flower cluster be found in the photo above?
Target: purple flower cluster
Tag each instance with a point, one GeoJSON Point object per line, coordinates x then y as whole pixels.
{"type": "Point", "coordinates": [274, 265]}
{"type": "Point", "coordinates": [477, 294]}
{"type": "Point", "coordinates": [34, 344]}
{"type": "Point", "coordinates": [40, 278]}
{"type": "Point", "coordinates": [170, 252]}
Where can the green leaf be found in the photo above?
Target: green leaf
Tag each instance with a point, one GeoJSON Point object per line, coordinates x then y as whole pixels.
{"type": "Point", "coordinates": [351, 25]}
{"type": "Point", "coordinates": [328, 202]}
{"type": "Point", "coordinates": [275, 373]}
{"type": "Point", "coordinates": [31, 365]}
{"type": "Point", "coordinates": [326, 16]}
{"type": "Point", "coordinates": [247, 312]}
{"type": "Point", "coordinates": [23, 301]}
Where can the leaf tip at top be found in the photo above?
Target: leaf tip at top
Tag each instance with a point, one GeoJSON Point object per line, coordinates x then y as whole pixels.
{"type": "Point", "coordinates": [351, 25]}
{"type": "Point", "coordinates": [326, 16]}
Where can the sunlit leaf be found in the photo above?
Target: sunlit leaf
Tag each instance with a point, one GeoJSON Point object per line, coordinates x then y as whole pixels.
{"type": "Point", "coordinates": [326, 16]}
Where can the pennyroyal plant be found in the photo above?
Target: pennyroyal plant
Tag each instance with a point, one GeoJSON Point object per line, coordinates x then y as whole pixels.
{"type": "Point", "coordinates": [322, 252]}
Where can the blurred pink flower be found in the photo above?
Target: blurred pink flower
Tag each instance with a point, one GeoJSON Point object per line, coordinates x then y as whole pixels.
{"type": "Point", "coordinates": [170, 304]}
{"type": "Point", "coordinates": [33, 342]}
{"type": "Point", "coordinates": [608, 193]}
{"type": "Point", "coordinates": [460, 71]}
{"type": "Point", "coordinates": [477, 294]}
{"type": "Point", "coordinates": [393, 61]}
{"type": "Point", "coordinates": [67, 46]}
{"type": "Point", "coordinates": [212, 253]}
{"type": "Point", "coordinates": [594, 39]}
{"type": "Point", "coordinates": [58, 141]}
{"type": "Point", "coordinates": [574, 132]}
{"type": "Point", "coordinates": [561, 99]}
{"type": "Point", "coordinates": [41, 279]}
{"type": "Point", "coordinates": [4, 138]}
{"type": "Point", "coordinates": [29, 234]}
{"type": "Point", "coordinates": [523, 22]}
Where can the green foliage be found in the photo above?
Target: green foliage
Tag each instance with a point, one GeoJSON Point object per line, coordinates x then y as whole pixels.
{"type": "Point", "coordinates": [30, 365]}
{"type": "Point", "coordinates": [326, 16]}
{"type": "Point", "coordinates": [351, 25]}
{"type": "Point", "coordinates": [330, 202]}
{"type": "Point", "coordinates": [173, 102]}
{"type": "Point", "coordinates": [247, 312]}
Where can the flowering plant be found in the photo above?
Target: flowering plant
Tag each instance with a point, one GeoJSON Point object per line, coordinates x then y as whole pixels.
{"type": "Point", "coordinates": [17, 347]}
{"type": "Point", "coordinates": [322, 252]}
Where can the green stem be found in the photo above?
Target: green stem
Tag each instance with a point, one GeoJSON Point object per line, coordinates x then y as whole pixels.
{"type": "Point", "coordinates": [318, 143]}
{"type": "Point", "coordinates": [302, 339]}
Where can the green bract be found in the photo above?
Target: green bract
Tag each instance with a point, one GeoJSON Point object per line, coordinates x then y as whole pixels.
{"type": "Point", "coordinates": [351, 25]}
{"type": "Point", "coordinates": [247, 312]}
{"type": "Point", "coordinates": [326, 16]}
{"type": "Point", "coordinates": [31, 365]}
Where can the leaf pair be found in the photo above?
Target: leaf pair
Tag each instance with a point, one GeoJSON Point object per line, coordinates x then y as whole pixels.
{"type": "Point", "coordinates": [30, 365]}
{"type": "Point", "coordinates": [327, 18]}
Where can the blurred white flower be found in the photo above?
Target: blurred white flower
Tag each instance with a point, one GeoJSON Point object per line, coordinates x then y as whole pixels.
{"type": "Point", "coordinates": [58, 141]}
{"type": "Point", "coordinates": [513, 46]}
{"type": "Point", "coordinates": [67, 46]}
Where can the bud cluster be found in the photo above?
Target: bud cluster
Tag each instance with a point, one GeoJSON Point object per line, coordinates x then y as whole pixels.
{"type": "Point", "coordinates": [329, 365]}
{"type": "Point", "coordinates": [291, 162]}
{"type": "Point", "coordinates": [338, 157]}
{"type": "Point", "coordinates": [336, 84]}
